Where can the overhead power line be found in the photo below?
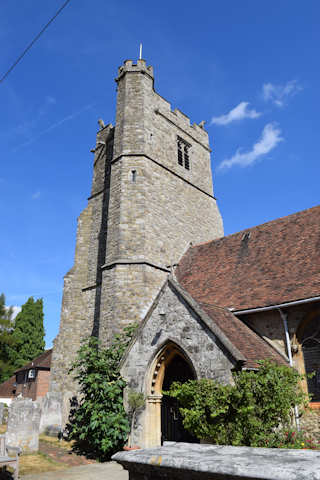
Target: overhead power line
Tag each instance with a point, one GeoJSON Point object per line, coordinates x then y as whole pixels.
{"type": "Point", "coordinates": [34, 41]}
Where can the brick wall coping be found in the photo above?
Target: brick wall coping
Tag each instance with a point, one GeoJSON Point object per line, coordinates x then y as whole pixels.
{"type": "Point", "coordinates": [193, 461]}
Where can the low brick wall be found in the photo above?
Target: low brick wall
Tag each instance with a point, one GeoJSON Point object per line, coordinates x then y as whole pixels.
{"type": "Point", "coordinates": [188, 461]}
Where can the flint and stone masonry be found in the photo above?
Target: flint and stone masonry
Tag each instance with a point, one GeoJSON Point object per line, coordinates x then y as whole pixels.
{"type": "Point", "coordinates": [171, 327]}
{"type": "Point", "coordinates": [143, 212]}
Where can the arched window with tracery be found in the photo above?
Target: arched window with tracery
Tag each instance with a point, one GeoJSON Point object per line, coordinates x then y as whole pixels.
{"type": "Point", "coordinates": [310, 342]}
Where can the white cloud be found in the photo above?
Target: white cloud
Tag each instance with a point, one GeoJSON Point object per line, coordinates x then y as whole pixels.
{"type": "Point", "coordinates": [279, 94]}
{"type": "Point", "coordinates": [36, 195]}
{"type": "Point", "coordinates": [237, 113]}
{"type": "Point", "coordinates": [270, 137]}
{"type": "Point", "coordinates": [16, 310]}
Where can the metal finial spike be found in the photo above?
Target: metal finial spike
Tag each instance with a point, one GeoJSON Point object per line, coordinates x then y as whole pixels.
{"type": "Point", "coordinates": [140, 54]}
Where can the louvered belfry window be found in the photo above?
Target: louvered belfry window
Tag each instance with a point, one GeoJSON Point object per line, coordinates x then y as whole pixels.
{"type": "Point", "coordinates": [183, 153]}
{"type": "Point", "coordinates": [311, 354]}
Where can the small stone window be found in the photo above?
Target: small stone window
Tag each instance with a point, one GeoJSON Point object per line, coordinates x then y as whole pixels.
{"type": "Point", "coordinates": [183, 153]}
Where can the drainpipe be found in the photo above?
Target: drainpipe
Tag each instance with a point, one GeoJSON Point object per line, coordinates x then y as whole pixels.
{"type": "Point", "coordinates": [284, 317]}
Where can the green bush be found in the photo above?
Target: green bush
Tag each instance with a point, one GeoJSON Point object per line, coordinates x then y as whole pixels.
{"type": "Point", "coordinates": [290, 439]}
{"type": "Point", "coordinates": [246, 413]}
{"type": "Point", "coordinates": [98, 423]}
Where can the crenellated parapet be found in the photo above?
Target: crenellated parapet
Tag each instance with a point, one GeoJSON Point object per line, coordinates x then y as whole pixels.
{"type": "Point", "coordinates": [162, 106]}
{"type": "Point", "coordinates": [182, 121]}
{"type": "Point", "coordinates": [130, 67]}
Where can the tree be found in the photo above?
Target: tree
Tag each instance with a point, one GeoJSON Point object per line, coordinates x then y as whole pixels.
{"type": "Point", "coordinates": [6, 327]}
{"type": "Point", "coordinates": [28, 334]}
{"type": "Point", "coordinates": [250, 412]}
{"type": "Point", "coordinates": [98, 423]}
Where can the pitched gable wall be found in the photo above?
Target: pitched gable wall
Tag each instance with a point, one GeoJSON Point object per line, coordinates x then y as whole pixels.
{"type": "Point", "coordinates": [183, 327]}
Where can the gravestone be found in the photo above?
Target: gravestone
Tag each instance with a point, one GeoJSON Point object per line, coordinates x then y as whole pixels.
{"type": "Point", "coordinates": [51, 417]}
{"type": "Point", "coordinates": [23, 424]}
{"type": "Point", "coordinates": [2, 407]}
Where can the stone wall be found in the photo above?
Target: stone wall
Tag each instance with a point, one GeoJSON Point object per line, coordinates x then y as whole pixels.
{"type": "Point", "coordinates": [269, 325]}
{"type": "Point", "coordinates": [143, 212]}
{"type": "Point", "coordinates": [74, 322]}
{"type": "Point", "coordinates": [170, 321]}
{"type": "Point", "coordinates": [156, 207]}
{"type": "Point", "coordinates": [310, 423]}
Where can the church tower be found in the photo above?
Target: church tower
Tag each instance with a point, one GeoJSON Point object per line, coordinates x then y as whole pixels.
{"type": "Point", "coordinates": [151, 196]}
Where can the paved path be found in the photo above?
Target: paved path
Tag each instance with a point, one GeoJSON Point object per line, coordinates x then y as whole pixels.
{"type": "Point", "coordinates": [95, 471]}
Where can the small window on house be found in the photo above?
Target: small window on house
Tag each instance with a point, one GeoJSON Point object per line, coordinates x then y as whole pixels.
{"type": "Point", "coordinates": [133, 175]}
{"type": "Point", "coordinates": [183, 153]}
{"type": "Point", "coordinates": [31, 374]}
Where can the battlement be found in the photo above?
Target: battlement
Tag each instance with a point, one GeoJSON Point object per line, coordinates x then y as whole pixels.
{"type": "Point", "coordinates": [181, 120]}
{"type": "Point", "coordinates": [162, 106]}
{"type": "Point", "coordinates": [129, 66]}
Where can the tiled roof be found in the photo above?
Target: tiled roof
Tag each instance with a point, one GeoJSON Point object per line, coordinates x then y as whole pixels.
{"type": "Point", "coordinates": [243, 343]}
{"type": "Point", "coordinates": [252, 347]}
{"type": "Point", "coordinates": [42, 361]}
{"type": "Point", "coordinates": [6, 388]}
{"type": "Point", "coordinates": [273, 263]}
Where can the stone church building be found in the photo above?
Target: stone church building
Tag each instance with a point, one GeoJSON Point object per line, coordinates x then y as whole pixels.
{"type": "Point", "coordinates": [150, 249]}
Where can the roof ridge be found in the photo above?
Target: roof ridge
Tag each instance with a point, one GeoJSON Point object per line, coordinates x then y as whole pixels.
{"type": "Point", "coordinates": [275, 220]}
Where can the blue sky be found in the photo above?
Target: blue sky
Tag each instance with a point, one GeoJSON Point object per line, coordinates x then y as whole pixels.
{"type": "Point", "coordinates": [249, 68]}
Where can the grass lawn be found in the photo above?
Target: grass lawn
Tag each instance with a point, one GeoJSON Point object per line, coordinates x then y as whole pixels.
{"type": "Point", "coordinates": [3, 429]}
{"type": "Point", "coordinates": [56, 442]}
{"type": "Point", "coordinates": [38, 463]}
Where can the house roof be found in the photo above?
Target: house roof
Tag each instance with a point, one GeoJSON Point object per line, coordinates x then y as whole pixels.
{"type": "Point", "coordinates": [239, 336]}
{"type": "Point", "coordinates": [42, 361]}
{"type": "Point", "coordinates": [272, 263]}
{"type": "Point", "coordinates": [6, 388]}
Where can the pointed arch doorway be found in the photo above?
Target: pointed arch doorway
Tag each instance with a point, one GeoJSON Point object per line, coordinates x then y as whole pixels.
{"type": "Point", "coordinates": [178, 370]}
{"type": "Point", "coordinates": [164, 419]}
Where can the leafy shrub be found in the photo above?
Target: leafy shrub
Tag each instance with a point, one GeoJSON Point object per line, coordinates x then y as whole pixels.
{"type": "Point", "coordinates": [98, 422]}
{"type": "Point", "coordinates": [246, 413]}
{"type": "Point", "coordinates": [290, 439]}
